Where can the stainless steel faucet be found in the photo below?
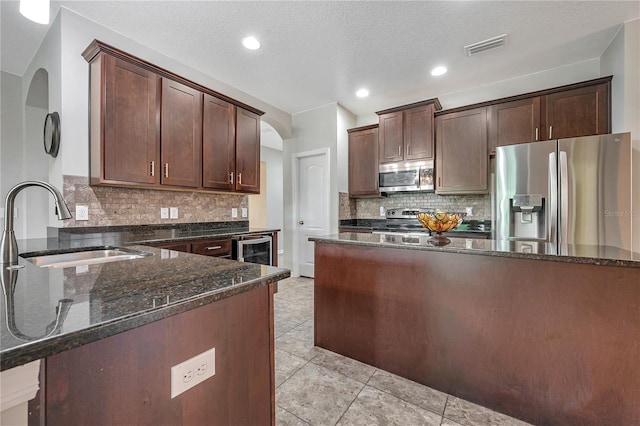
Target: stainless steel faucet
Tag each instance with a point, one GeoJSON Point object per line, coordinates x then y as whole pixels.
{"type": "Point", "coordinates": [9, 246]}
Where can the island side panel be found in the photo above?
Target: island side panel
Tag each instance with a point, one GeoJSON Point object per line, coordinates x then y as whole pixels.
{"type": "Point", "coordinates": [547, 342]}
{"type": "Point", "coordinates": [125, 379]}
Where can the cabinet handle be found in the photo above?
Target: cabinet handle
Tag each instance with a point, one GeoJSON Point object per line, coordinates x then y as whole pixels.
{"type": "Point", "coordinates": [166, 170]}
{"type": "Point", "coordinates": [153, 168]}
{"type": "Point", "coordinates": [536, 133]}
{"type": "Point", "coordinates": [214, 248]}
{"type": "Point", "coordinates": [231, 178]}
{"type": "Point", "coordinates": [399, 151]}
{"type": "Point", "coordinates": [439, 182]}
{"type": "Point", "coordinates": [550, 131]}
{"type": "Point", "coordinates": [239, 178]}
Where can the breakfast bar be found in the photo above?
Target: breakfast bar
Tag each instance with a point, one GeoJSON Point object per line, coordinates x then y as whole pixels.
{"type": "Point", "coordinates": [516, 327]}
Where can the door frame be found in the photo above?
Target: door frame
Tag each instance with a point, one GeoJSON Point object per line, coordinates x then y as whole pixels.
{"type": "Point", "coordinates": [296, 201]}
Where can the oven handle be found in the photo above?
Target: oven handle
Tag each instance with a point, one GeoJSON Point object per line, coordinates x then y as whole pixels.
{"type": "Point", "coordinates": [257, 240]}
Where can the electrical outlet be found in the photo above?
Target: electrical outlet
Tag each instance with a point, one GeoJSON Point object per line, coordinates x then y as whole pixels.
{"type": "Point", "coordinates": [381, 210]}
{"type": "Point", "coordinates": [234, 212]}
{"type": "Point", "coordinates": [469, 211]}
{"type": "Point", "coordinates": [164, 213]}
{"type": "Point", "coordinates": [193, 371]}
{"type": "Point", "coordinates": [245, 212]}
{"type": "Point", "coordinates": [82, 212]}
{"type": "Point", "coordinates": [173, 213]}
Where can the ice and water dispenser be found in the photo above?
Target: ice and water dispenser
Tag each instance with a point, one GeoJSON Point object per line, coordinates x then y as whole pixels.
{"type": "Point", "coordinates": [527, 216]}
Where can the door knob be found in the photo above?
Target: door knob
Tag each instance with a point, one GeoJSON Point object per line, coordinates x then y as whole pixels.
{"type": "Point", "coordinates": [301, 222]}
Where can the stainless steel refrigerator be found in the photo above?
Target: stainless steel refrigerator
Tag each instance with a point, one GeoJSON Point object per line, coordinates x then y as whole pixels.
{"type": "Point", "coordinates": [565, 192]}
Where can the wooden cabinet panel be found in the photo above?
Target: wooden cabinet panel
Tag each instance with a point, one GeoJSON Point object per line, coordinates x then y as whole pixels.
{"type": "Point", "coordinates": [363, 162]}
{"type": "Point", "coordinates": [391, 137]}
{"type": "Point", "coordinates": [219, 247]}
{"type": "Point", "coordinates": [461, 152]}
{"type": "Point", "coordinates": [181, 134]}
{"type": "Point", "coordinates": [514, 122]}
{"type": "Point", "coordinates": [418, 133]}
{"type": "Point", "coordinates": [125, 379]}
{"type": "Point", "coordinates": [130, 143]}
{"type": "Point", "coordinates": [247, 151]}
{"type": "Point", "coordinates": [578, 112]}
{"type": "Point", "coordinates": [184, 246]}
{"type": "Point", "coordinates": [218, 144]}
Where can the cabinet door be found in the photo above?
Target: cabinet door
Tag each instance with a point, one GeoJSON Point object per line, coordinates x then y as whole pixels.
{"type": "Point", "coordinates": [181, 135]}
{"type": "Point", "coordinates": [247, 151]}
{"type": "Point", "coordinates": [218, 144]}
{"type": "Point", "coordinates": [131, 143]}
{"type": "Point", "coordinates": [391, 137]}
{"type": "Point", "coordinates": [578, 112]}
{"type": "Point", "coordinates": [418, 133]}
{"type": "Point", "coordinates": [514, 122]}
{"type": "Point", "coordinates": [363, 163]}
{"type": "Point", "coordinates": [461, 153]}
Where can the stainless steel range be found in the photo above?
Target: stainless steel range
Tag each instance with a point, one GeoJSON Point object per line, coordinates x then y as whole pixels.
{"type": "Point", "coordinates": [404, 220]}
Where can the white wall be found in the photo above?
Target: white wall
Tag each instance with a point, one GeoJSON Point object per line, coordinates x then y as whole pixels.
{"type": "Point", "coordinates": [345, 120]}
{"type": "Point", "coordinates": [275, 190]}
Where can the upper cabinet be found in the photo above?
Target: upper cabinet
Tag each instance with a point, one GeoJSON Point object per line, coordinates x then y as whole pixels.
{"type": "Point", "coordinates": [406, 133]}
{"type": "Point", "coordinates": [151, 128]}
{"type": "Point", "coordinates": [125, 126]}
{"type": "Point", "coordinates": [461, 153]}
{"type": "Point", "coordinates": [580, 109]}
{"type": "Point", "coordinates": [180, 135]}
{"type": "Point", "coordinates": [363, 161]}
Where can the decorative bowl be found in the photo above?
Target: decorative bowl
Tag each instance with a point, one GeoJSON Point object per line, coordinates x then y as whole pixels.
{"type": "Point", "coordinates": [440, 221]}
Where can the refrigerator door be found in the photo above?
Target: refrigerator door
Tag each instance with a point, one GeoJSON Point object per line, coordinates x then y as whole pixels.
{"type": "Point", "coordinates": [595, 191]}
{"type": "Point", "coordinates": [526, 189]}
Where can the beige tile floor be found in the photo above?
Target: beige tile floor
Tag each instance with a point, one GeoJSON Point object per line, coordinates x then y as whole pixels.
{"type": "Point", "coordinates": [318, 387]}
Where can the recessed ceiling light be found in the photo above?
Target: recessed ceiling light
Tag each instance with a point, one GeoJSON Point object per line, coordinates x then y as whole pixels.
{"type": "Point", "coordinates": [362, 93]}
{"type": "Point", "coordinates": [251, 43]}
{"type": "Point", "coordinates": [438, 71]}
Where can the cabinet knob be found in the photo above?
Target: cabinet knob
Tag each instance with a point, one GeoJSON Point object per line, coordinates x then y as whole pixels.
{"type": "Point", "coordinates": [537, 133]}
{"type": "Point", "coordinates": [166, 170]}
{"type": "Point", "coordinates": [239, 178]}
{"type": "Point", "coordinates": [301, 222]}
{"type": "Point", "coordinates": [153, 168]}
{"type": "Point", "coordinates": [231, 178]}
{"type": "Point", "coordinates": [550, 132]}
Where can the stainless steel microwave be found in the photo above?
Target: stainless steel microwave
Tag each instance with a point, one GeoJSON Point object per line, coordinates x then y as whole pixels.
{"type": "Point", "coordinates": [401, 177]}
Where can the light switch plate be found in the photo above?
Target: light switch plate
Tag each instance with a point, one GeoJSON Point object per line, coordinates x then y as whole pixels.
{"type": "Point", "coordinates": [469, 211]}
{"type": "Point", "coordinates": [381, 210]}
{"type": "Point", "coordinates": [164, 213]}
{"type": "Point", "coordinates": [245, 212]}
{"type": "Point", "coordinates": [173, 213]}
{"type": "Point", "coordinates": [234, 212]}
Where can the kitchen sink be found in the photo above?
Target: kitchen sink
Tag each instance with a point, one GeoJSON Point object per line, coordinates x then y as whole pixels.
{"type": "Point", "coordinates": [84, 256]}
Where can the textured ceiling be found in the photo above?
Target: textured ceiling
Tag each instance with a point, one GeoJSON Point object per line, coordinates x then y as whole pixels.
{"type": "Point", "coordinates": [314, 53]}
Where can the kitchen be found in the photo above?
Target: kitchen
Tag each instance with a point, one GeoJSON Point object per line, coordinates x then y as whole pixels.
{"type": "Point", "coordinates": [315, 129]}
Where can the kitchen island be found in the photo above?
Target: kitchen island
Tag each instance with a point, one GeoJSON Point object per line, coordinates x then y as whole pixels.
{"type": "Point", "coordinates": [513, 326]}
{"type": "Point", "coordinates": [126, 323]}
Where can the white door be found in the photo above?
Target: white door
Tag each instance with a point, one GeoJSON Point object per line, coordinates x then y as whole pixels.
{"type": "Point", "coordinates": [312, 217]}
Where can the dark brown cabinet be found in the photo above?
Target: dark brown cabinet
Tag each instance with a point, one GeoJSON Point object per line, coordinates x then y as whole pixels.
{"type": "Point", "coordinates": [125, 142]}
{"type": "Point", "coordinates": [461, 152]}
{"type": "Point", "coordinates": [363, 161]}
{"type": "Point", "coordinates": [151, 128]}
{"type": "Point", "coordinates": [406, 134]}
{"type": "Point", "coordinates": [181, 135]}
{"type": "Point", "coordinates": [217, 247]}
{"type": "Point", "coordinates": [247, 151]}
{"type": "Point", "coordinates": [218, 144]}
{"type": "Point", "coordinates": [578, 112]}
{"type": "Point", "coordinates": [514, 122]}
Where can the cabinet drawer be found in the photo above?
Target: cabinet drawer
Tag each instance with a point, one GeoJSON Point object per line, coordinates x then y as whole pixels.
{"type": "Point", "coordinates": [218, 247]}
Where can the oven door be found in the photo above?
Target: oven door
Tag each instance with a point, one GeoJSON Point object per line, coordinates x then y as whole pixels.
{"type": "Point", "coordinates": [253, 249]}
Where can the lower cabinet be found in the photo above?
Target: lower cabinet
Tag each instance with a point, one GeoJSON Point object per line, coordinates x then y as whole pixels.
{"type": "Point", "coordinates": [462, 152]}
{"type": "Point", "coordinates": [126, 379]}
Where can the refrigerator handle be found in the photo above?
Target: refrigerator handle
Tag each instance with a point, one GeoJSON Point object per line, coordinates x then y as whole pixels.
{"type": "Point", "coordinates": [564, 199]}
{"type": "Point", "coordinates": [552, 208]}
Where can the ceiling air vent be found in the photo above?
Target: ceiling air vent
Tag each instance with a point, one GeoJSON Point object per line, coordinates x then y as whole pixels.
{"type": "Point", "coordinates": [481, 46]}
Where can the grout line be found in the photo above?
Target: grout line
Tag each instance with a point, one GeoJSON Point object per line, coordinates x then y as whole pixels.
{"type": "Point", "coordinates": [351, 403]}
{"type": "Point", "coordinates": [299, 418]}
{"type": "Point", "coordinates": [446, 402]}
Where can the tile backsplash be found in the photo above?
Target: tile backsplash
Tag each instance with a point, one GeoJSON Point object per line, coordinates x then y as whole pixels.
{"type": "Point", "coordinates": [109, 206]}
{"type": "Point", "coordinates": [369, 208]}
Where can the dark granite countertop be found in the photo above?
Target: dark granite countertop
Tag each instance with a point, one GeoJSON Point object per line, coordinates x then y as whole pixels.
{"type": "Point", "coordinates": [150, 234]}
{"type": "Point", "coordinates": [573, 253]}
{"type": "Point", "coordinates": [110, 298]}
{"type": "Point", "coordinates": [467, 228]}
